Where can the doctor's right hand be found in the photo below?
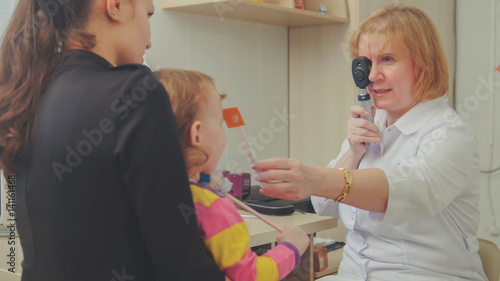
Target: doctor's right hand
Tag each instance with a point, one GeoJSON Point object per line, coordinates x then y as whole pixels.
{"type": "Point", "coordinates": [360, 130]}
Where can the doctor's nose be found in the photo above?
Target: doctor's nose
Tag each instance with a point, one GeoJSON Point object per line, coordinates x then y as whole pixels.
{"type": "Point", "coordinates": [148, 46]}
{"type": "Point", "coordinates": [375, 73]}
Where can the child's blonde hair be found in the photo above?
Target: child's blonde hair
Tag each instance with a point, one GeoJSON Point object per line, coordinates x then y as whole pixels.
{"type": "Point", "coordinates": [187, 91]}
{"type": "Point", "coordinates": [414, 31]}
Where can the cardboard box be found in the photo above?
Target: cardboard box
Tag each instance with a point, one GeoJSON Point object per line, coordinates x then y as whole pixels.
{"type": "Point", "coordinates": [320, 259]}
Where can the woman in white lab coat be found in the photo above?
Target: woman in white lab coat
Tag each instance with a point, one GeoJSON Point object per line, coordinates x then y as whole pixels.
{"type": "Point", "coordinates": [410, 201]}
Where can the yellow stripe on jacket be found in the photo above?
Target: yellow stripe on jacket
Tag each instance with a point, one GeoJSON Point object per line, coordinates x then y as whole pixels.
{"type": "Point", "coordinates": [226, 236]}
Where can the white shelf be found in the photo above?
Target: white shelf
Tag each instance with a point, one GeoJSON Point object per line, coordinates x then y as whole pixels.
{"type": "Point", "coordinates": [267, 13]}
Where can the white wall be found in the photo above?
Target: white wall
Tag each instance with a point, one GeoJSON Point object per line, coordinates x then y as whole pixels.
{"type": "Point", "coordinates": [477, 99]}
{"type": "Point", "coordinates": [6, 9]}
{"type": "Point", "coordinates": [249, 62]}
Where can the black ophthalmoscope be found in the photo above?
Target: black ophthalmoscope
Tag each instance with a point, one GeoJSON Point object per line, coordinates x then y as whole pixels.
{"type": "Point", "coordinates": [360, 71]}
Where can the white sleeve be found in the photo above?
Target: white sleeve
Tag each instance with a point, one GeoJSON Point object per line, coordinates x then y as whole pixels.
{"type": "Point", "coordinates": [445, 167]}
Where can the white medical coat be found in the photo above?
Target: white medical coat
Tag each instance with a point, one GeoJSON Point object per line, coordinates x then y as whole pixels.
{"type": "Point", "coordinates": [428, 232]}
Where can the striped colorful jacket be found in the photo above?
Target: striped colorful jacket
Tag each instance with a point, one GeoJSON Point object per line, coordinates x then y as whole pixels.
{"type": "Point", "coordinates": [226, 236]}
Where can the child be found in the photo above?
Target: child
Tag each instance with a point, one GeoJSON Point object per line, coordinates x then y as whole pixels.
{"type": "Point", "coordinates": [197, 107]}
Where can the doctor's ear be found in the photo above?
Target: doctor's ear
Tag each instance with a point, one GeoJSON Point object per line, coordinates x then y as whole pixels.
{"type": "Point", "coordinates": [194, 136]}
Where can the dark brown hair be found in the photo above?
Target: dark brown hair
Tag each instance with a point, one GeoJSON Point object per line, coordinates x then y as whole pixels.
{"type": "Point", "coordinates": [32, 50]}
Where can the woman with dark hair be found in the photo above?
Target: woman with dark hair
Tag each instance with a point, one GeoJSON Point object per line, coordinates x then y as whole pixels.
{"type": "Point", "coordinates": [90, 136]}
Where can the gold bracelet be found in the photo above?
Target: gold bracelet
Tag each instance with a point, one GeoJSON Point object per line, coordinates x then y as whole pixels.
{"type": "Point", "coordinates": [347, 187]}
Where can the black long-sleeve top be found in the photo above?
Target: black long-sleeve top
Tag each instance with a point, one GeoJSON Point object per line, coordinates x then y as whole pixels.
{"type": "Point", "coordinates": [103, 193]}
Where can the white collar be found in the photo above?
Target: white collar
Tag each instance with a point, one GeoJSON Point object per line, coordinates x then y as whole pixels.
{"type": "Point", "coordinates": [416, 117]}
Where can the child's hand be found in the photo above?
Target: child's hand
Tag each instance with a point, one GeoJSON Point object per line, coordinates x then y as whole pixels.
{"type": "Point", "coordinates": [296, 236]}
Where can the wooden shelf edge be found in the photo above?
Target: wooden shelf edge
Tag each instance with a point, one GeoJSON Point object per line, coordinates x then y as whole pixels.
{"type": "Point", "coordinates": [261, 12]}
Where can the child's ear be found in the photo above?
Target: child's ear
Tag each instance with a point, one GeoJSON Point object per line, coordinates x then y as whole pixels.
{"type": "Point", "coordinates": [194, 133]}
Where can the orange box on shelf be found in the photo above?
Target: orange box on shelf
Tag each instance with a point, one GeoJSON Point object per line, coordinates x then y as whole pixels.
{"type": "Point", "coordinates": [299, 4]}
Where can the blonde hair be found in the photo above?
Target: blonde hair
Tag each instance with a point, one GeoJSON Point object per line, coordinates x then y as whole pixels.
{"type": "Point", "coordinates": [416, 33]}
{"type": "Point", "coordinates": [187, 91]}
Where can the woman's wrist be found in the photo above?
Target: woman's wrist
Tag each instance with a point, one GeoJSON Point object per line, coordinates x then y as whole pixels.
{"type": "Point", "coordinates": [331, 183]}
{"type": "Point", "coordinates": [350, 160]}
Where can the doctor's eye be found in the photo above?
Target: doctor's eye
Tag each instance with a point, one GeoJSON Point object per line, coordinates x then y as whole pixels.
{"type": "Point", "coordinates": [387, 59]}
